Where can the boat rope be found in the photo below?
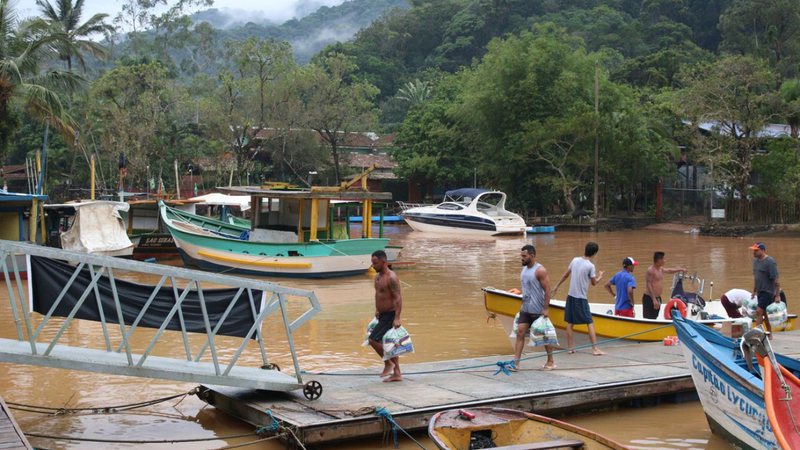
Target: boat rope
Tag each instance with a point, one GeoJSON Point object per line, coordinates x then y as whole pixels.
{"type": "Point", "coordinates": [49, 410]}
{"type": "Point", "coordinates": [336, 250]}
{"type": "Point", "coordinates": [387, 416]}
{"type": "Point", "coordinates": [505, 367]}
{"type": "Point", "coordinates": [274, 427]}
{"type": "Point", "coordinates": [494, 364]}
{"type": "Point", "coordinates": [270, 428]}
{"type": "Point", "coordinates": [249, 443]}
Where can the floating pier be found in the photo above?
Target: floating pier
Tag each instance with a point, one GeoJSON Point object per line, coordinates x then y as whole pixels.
{"type": "Point", "coordinates": [628, 373]}
{"type": "Point", "coordinates": [11, 436]}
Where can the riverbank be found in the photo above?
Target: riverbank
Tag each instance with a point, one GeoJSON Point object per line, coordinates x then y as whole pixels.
{"type": "Point", "coordinates": [755, 230]}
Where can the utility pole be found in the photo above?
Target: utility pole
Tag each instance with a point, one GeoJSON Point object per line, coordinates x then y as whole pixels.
{"type": "Point", "coordinates": [596, 138]}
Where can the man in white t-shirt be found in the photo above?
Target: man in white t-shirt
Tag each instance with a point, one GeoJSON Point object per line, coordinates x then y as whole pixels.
{"type": "Point", "coordinates": [733, 301]}
{"type": "Point", "coordinates": [576, 310]}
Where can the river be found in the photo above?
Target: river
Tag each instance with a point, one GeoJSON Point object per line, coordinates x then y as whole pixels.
{"type": "Point", "coordinates": [443, 310]}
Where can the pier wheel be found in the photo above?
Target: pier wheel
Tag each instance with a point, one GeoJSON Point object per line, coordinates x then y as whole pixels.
{"type": "Point", "coordinates": [312, 390]}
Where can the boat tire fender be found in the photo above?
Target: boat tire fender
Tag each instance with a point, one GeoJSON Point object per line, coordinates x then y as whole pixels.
{"type": "Point", "coordinates": [675, 303]}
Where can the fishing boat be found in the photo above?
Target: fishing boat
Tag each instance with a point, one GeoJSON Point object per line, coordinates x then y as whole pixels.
{"type": "Point", "coordinates": [468, 211]}
{"type": "Point", "coordinates": [294, 239]}
{"type": "Point", "coordinates": [782, 402]}
{"type": "Point", "coordinates": [148, 235]}
{"type": "Point", "coordinates": [486, 427]}
{"type": "Point", "coordinates": [504, 305]}
{"type": "Point", "coordinates": [729, 383]}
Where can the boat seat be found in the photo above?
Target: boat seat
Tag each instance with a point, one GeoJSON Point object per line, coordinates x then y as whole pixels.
{"type": "Point", "coordinates": [560, 443]}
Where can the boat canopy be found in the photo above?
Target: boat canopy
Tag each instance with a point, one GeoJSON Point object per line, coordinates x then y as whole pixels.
{"type": "Point", "coordinates": [218, 199]}
{"type": "Point", "coordinates": [98, 227]}
{"type": "Point", "coordinates": [471, 193]}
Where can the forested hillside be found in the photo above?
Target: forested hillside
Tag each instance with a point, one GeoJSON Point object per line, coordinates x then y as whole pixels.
{"type": "Point", "coordinates": [308, 34]}
{"type": "Point", "coordinates": [521, 94]}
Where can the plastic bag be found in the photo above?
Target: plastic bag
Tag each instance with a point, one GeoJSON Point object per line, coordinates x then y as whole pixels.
{"type": "Point", "coordinates": [370, 327]}
{"type": "Point", "coordinates": [749, 307]}
{"type": "Point", "coordinates": [396, 342]}
{"type": "Point", "coordinates": [776, 312]}
{"type": "Point", "coordinates": [514, 327]}
{"type": "Point", "coordinates": [543, 332]}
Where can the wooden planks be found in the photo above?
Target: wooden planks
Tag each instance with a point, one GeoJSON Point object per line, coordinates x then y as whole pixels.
{"type": "Point", "coordinates": [346, 410]}
{"type": "Point", "coordinates": [11, 436]}
{"type": "Point", "coordinates": [347, 407]}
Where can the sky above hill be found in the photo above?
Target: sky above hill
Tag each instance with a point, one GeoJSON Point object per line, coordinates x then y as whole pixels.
{"type": "Point", "coordinates": [269, 10]}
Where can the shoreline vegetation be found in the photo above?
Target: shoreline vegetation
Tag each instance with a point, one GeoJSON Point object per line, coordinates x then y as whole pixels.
{"type": "Point", "coordinates": [696, 225]}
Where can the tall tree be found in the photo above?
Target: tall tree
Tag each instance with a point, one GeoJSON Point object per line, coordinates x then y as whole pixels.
{"type": "Point", "coordinates": [735, 97]}
{"type": "Point", "coordinates": [432, 144]}
{"type": "Point", "coordinates": [790, 94]}
{"type": "Point", "coordinates": [336, 104]}
{"type": "Point", "coordinates": [139, 111]}
{"type": "Point", "coordinates": [64, 19]}
{"type": "Point", "coordinates": [22, 85]}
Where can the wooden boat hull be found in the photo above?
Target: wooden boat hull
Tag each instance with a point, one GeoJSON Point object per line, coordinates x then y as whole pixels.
{"type": "Point", "coordinates": [732, 398]}
{"type": "Point", "coordinates": [783, 407]}
{"type": "Point", "coordinates": [155, 245]}
{"type": "Point", "coordinates": [505, 305]}
{"type": "Point", "coordinates": [211, 250]}
{"type": "Point", "coordinates": [508, 427]}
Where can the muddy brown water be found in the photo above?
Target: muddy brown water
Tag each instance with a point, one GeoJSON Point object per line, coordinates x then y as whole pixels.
{"type": "Point", "coordinates": [443, 310]}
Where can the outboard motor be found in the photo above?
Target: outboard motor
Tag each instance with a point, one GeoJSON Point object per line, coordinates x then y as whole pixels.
{"type": "Point", "coordinates": [694, 302]}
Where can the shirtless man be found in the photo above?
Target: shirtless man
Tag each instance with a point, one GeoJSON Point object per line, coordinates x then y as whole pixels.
{"type": "Point", "coordinates": [651, 300]}
{"type": "Point", "coordinates": [388, 305]}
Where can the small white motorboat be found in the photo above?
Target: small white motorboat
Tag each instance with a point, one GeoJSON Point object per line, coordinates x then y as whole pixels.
{"type": "Point", "coordinates": [466, 211]}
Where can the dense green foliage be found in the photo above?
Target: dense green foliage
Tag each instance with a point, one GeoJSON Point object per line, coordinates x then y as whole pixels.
{"type": "Point", "coordinates": [515, 93]}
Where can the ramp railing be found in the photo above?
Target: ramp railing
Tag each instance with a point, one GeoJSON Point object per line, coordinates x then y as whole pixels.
{"type": "Point", "coordinates": [96, 287]}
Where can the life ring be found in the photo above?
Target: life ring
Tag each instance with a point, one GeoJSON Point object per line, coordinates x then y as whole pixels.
{"type": "Point", "coordinates": [672, 304]}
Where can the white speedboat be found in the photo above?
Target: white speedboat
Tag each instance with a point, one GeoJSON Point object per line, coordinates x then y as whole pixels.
{"type": "Point", "coordinates": [466, 211]}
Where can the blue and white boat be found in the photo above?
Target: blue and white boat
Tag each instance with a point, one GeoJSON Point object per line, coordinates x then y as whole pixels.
{"type": "Point", "coordinates": [466, 211]}
{"type": "Point", "coordinates": [730, 390]}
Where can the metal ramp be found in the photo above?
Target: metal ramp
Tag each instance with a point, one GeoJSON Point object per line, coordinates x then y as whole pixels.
{"type": "Point", "coordinates": [200, 360]}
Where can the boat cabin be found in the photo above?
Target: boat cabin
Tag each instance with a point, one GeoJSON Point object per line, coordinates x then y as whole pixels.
{"type": "Point", "coordinates": [303, 215]}
{"type": "Point", "coordinates": [16, 211]}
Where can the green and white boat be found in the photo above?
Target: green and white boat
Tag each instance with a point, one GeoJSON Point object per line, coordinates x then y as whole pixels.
{"type": "Point", "coordinates": [292, 237]}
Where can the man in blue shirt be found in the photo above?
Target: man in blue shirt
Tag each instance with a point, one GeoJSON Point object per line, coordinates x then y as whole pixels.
{"type": "Point", "coordinates": [625, 284]}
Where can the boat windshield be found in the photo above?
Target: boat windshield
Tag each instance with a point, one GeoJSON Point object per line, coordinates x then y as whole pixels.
{"type": "Point", "coordinates": [450, 206]}
{"type": "Point", "coordinates": [490, 201]}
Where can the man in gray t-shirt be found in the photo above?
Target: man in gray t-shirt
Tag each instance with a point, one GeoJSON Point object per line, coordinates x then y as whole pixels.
{"type": "Point", "coordinates": [576, 308]}
{"type": "Point", "coordinates": [766, 286]}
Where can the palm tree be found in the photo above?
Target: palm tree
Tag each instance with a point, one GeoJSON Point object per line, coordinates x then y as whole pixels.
{"type": "Point", "coordinates": [415, 92]}
{"type": "Point", "coordinates": [22, 86]}
{"type": "Point", "coordinates": [64, 19]}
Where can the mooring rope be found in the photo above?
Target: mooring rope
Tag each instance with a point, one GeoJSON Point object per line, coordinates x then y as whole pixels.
{"type": "Point", "coordinates": [98, 409]}
{"type": "Point", "coordinates": [387, 416]}
{"type": "Point", "coordinates": [140, 441]}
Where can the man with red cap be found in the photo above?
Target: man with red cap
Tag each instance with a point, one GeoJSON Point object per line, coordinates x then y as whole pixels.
{"type": "Point", "coordinates": [766, 286]}
{"type": "Point", "coordinates": [625, 284]}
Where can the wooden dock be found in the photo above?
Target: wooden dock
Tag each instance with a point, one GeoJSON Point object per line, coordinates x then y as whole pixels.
{"type": "Point", "coordinates": [628, 373]}
{"type": "Point", "coordinates": [11, 436]}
